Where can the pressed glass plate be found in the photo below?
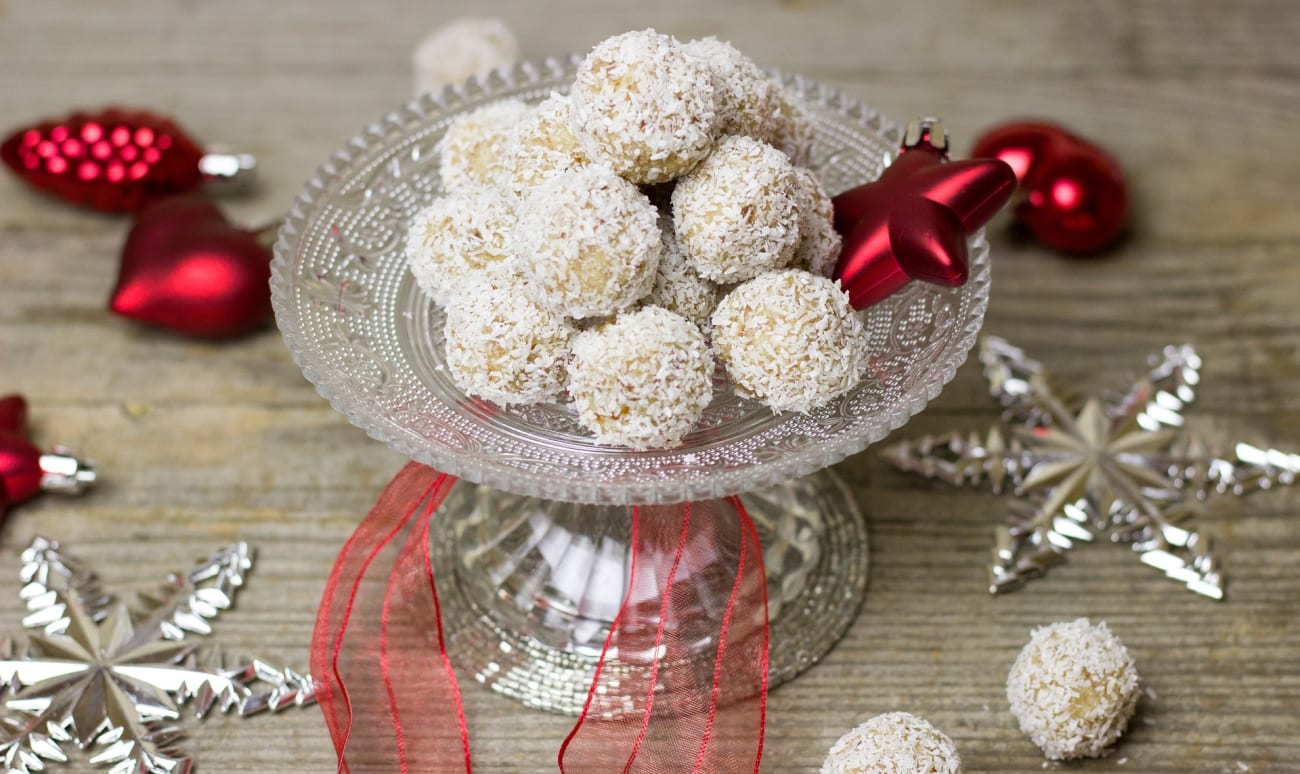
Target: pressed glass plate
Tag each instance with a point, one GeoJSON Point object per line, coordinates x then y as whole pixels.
{"type": "Point", "coordinates": [371, 342]}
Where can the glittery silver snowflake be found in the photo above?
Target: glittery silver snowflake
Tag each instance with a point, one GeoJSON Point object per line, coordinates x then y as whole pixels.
{"type": "Point", "coordinates": [1119, 464]}
{"type": "Point", "coordinates": [111, 682]}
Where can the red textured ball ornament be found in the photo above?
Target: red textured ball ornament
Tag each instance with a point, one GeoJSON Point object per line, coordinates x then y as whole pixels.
{"type": "Point", "coordinates": [186, 269]}
{"type": "Point", "coordinates": [24, 469]}
{"type": "Point", "coordinates": [115, 160]}
{"type": "Point", "coordinates": [913, 221]}
{"type": "Point", "coordinates": [1073, 197]}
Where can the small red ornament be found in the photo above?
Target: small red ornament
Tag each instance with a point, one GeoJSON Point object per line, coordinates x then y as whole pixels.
{"type": "Point", "coordinates": [24, 469]}
{"type": "Point", "coordinates": [185, 268]}
{"type": "Point", "coordinates": [115, 160]}
{"type": "Point", "coordinates": [912, 222]}
{"type": "Point", "coordinates": [1073, 197]}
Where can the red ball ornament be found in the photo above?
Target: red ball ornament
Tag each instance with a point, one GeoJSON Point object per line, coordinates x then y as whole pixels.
{"type": "Point", "coordinates": [115, 160]}
{"type": "Point", "coordinates": [1073, 197]}
{"type": "Point", "coordinates": [24, 469]}
{"type": "Point", "coordinates": [186, 269]}
{"type": "Point", "coordinates": [913, 221]}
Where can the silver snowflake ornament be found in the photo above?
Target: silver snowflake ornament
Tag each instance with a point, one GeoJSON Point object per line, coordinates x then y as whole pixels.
{"type": "Point", "coordinates": [112, 681]}
{"type": "Point", "coordinates": [1118, 464]}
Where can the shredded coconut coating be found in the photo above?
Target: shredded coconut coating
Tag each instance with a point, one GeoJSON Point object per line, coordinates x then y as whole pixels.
{"type": "Point", "coordinates": [545, 146]}
{"type": "Point", "coordinates": [679, 288]}
{"type": "Point", "coordinates": [893, 743]}
{"type": "Point", "coordinates": [790, 339]}
{"type": "Point", "coordinates": [643, 380]}
{"type": "Point", "coordinates": [819, 242]}
{"type": "Point", "coordinates": [505, 347]}
{"type": "Point", "coordinates": [788, 127]}
{"type": "Point", "coordinates": [589, 241]}
{"type": "Point", "coordinates": [461, 49]}
{"type": "Point", "coordinates": [463, 236]}
{"type": "Point", "coordinates": [644, 106]}
{"type": "Point", "coordinates": [744, 95]}
{"type": "Point", "coordinates": [737, 214]}
{"type": "Point", "coordinates": [1073, 688]}
{"type": "Point", "coordinates": [478, 148]}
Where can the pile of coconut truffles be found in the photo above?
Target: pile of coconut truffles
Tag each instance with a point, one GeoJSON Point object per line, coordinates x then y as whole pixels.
{"type": "Point", "coordinates": [613, 241]}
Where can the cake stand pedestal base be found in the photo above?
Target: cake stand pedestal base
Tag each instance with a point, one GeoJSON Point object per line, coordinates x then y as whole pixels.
{"type": "Point", "coordinates": [535, 584]}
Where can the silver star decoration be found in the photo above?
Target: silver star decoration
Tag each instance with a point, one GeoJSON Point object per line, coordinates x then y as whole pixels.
{"type": "Point", "coordinates": [112, 682]}
{"type": "Point", "coordinates": [1117, 464]}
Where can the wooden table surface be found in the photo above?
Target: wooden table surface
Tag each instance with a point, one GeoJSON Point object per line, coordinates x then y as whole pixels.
{"type": "Point", "coordinates": [200, 444]}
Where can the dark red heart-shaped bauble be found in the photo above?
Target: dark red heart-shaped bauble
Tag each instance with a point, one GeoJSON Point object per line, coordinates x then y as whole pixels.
{"type": "Point", "coordinates": [186, 269]}
{"type": "Point", "coordinates": [1073, 196]}
{"type": "Point", "coordinates": [913, 221]}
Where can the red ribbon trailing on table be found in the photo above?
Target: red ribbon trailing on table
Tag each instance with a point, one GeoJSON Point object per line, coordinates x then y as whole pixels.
{"type": "Point", "coordinates": [390, 696]}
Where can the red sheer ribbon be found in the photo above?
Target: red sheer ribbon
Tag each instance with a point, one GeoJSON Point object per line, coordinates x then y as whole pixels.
{"type": "Point", "coordinates": [681, 685]}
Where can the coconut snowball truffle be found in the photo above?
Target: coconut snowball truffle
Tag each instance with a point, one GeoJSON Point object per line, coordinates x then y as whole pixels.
{"type": "Point", "coordinates": [737, 215]}
{"type": "Point", "coordinates": [462, 236]}
{"type": "Point", "coordinates": [503, 346]}
{"type": "Point", "coordinates": [790, 339]}
{"type": "Point", "coordinates": [589, 241]}
{"type": "Point", "coordinates": [743, 94]}
{"type": "Point", "coordinates": [788, 128]}
{"type": "Point", "coordinates": [642, 380]}
{"type": "Point", "coordinates": [1073, 688]}
{"type": "Point", "coordinates": [460, 49]}
{"type": "Point", "coordinates": [893, 743]}
{"type": "Point", "coordinates": [679, 288]}
{"type": "Point", "coordinates": [819, 242]}
{"type": "Point", "coordinates": [478, 147]}
{"type": "Point", "coordinates": [644, 106]}
{"type": "Point", "coordinates": [545, 146]}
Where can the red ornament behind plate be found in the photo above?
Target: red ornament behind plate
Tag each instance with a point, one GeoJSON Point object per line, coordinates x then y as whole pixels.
{"type": "Point", "coordinates": [185, 268]}
{"type": "Point", "coordinates": [1073, 197]}
{"type": "Point", "coordinates": [117, 160]}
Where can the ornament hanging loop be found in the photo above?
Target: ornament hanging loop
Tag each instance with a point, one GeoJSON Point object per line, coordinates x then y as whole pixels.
{"type": "Point", "coordinates": [64, 473]}
{"type": "Point", "coordinates": [926, 132]}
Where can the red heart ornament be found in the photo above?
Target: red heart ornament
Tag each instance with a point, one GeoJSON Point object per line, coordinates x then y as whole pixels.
{"type": "Point", "coordinates": [186, 269]}
{"type": "Point", "coordinates": [1073, 196]}
{"type": "Point", "coordinates": [913, 221]}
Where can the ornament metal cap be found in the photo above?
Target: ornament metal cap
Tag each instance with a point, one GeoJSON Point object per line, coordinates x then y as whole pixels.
{"type": "Point", "coordinates": [926, 132]}
{"type": "Point", "coordinates": [226, 171]}
{"type": "Point", "coordinates": [65, 473]}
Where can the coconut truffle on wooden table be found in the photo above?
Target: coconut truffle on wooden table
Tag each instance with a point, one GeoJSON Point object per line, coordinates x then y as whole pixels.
{"type": "Point", "coordinates": [463, 48]}
{"type": "Point", "coordinates": [589, 241]}
{"type": "Point", "coordinates": [893, 743]}
{"type": "Point", "coordinates": [644, 106]}
{"type": "Point", "coordinates": [642, 380]}
{"type": "Point", "coordinates": [790, 339]}
{"type": "Point", "coordinates": [463, 236]}
{"type": "Point", "coordinates": [478, 147]}
{"type": "Point", "coordinates": [1073, 689]}
{"type": "Point", "coordinates": [737, 214]}
{"type": "Point", "coordinates": [819, 242]}
{"type": "Point", "coordinates": [503, 346]}
{"type": "Point", "coordinates": [545, 146]}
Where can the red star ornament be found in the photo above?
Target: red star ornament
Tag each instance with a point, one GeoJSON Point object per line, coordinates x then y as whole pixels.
{"type": "Point", "coordinates": [24, 469]}
{"type": "Point", "coordinates": [913, 221]}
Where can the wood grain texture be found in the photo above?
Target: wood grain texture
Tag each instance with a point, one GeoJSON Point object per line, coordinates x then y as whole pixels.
{"type": "Point", "coordinates": [205, 443]}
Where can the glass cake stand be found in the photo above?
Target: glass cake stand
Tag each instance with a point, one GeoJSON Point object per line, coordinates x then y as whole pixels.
{"type": "Point", "coordinates": [532, 546]}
